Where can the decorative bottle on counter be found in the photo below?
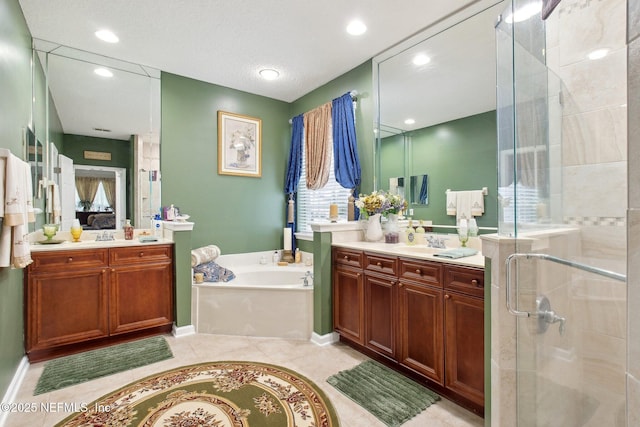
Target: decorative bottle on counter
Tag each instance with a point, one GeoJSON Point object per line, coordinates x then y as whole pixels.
{"type": "Point", "coordinates": [411, 234]}
{"type": "Point", "coordinates": [128, 230]}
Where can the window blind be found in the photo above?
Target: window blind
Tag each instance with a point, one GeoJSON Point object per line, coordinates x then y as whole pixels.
{"type": "Point", "coordinates": [313, 205]}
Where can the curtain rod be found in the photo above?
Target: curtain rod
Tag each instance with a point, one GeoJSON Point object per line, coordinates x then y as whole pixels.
{"type": "Point", "coordinates": [354, 96]}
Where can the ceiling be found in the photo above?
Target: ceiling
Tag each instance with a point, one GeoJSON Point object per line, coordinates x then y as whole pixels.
{"type": "Point", "coordinates": [227, 43]}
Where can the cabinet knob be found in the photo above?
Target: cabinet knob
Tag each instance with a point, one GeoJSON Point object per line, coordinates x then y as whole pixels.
{"type": "Point", "coordinates": [69, 259]}
{"type": "Point", "coordinates": [141, 254]}
{"type": "Point", "coordinates": [379, 264]}
{"type": "Point", "coordinates": [474, 282]}
{"type": "Point", "coordinates": [399, 284]}
{"type": "Point", "coordinates": [418, 271]}
{"type": "Point", "coordinates": [447, 296]}
{"type": "Point", "coordinates": [346, 257]}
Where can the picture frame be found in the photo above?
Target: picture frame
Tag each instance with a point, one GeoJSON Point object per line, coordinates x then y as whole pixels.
{"type": "Point", "coordinates": [239, 145]}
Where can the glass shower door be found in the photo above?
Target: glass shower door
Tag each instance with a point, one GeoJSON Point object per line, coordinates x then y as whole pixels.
{"type": "Point", "coordinates": [564, 281]}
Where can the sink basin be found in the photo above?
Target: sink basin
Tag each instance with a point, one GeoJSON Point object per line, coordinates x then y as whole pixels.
{"type": "Point", "coordinates": [424, 249]}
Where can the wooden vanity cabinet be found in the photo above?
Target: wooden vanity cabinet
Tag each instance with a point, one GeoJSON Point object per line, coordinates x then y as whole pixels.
{"type": "Point", "coordinates": [424, 318]}
{"type": "Point", "coordinates": [421, 318]}
{"type": "Point", "coordinates": [66, 298]}
{"type": "Point", "coordinates": [464, 329]}
{"type": "Point", "coordinates": [348, 295]}
{"type": "Point", "coordinates": [380, 308]}
{"type": "Point", "coordinates": [141, 288]}
{"type": "Point", "coordinates": [80, 299]}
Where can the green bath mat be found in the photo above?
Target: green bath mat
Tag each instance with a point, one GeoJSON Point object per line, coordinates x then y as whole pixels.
{"type": "Point", "coordinates": [391, 397]}
{"type": "Point", "coordinates": [78, 368]}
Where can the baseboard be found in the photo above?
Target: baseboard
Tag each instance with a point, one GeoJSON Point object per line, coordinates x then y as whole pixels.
{"type": "Point", "coordinates": [326, 339]}
{"type": "Point", "coordinates": [14, 386]}
{"type": "Point", "coordinates": [183, 331]}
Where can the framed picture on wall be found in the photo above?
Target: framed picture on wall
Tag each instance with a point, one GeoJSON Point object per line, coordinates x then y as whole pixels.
{"type": "Point", "coordinates": [239, 145]}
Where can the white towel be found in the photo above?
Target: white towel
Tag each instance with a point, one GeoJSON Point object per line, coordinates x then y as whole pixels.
{"type": "Point", "coordinates": [463, 205]}
{"type": "Point", "coordinates": [53, 202]}
{"type": "Point", "coordinates": [451, 202]}
{"type": "Point", "coordinates": [477, 203]}
{"type": "Point", "coordinates": [204, 254]}
{"type": "Point", "coordinates": [18, 212]}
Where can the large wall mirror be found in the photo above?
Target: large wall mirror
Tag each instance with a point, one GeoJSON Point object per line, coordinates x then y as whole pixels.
{"type": "Point", "coordinates": [434, 92]}
{"type": "Point", "coordinates": [109, 114]}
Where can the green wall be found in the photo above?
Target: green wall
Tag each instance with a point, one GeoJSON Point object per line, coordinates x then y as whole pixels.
{"type": "Point", "coordinates": [73, 146]}
{"type": "Point", "coordinates": [359, 79]}
{"type": "Point", "coordinates": [457, 155]}
{"type": "Point", "coordinates": [15, 110]}
{"type": "Point", "coordinates": [239, 214]}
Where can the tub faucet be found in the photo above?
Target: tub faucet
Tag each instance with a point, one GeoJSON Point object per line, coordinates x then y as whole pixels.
{"type": "Point", "coordinates": [308, 275]}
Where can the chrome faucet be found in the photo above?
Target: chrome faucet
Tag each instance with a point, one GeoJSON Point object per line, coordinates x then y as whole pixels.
{"type": "Point", "coordinates": [308, 275]}
{"type": "Point", "coordinates": [104, 237]}
{"type": "Point", "coordinates": [435, 242]}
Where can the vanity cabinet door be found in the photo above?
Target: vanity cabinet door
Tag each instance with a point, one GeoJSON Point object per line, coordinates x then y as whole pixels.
{"type": "Point", "coordinates": [464, 329]}
{"type": "Point", "coordinates": [348, 303]}
{"type": "Point", "coordinates": [141, 297]}
{"type": "Point", "coordinates": [380, 314]}
{"type": "Point", "coordinates": [65, 307]}
{"type": "Point", "coordinates": [421, 330]}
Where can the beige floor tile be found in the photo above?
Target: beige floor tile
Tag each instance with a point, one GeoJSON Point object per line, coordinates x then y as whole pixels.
{"type": "Point", "coordinates": [314, 362]}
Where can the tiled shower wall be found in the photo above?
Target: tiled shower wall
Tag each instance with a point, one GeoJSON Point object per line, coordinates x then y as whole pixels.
{"type": "Point", "coordinates": [633, 215]}
{"type": "Point", "coordinates": [594, 203]}
{"type": "Point", "coordinates": [594, 181]}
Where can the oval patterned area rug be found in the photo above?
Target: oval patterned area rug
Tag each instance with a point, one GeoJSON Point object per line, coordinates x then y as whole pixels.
{"type": "Point", "coordinates": [218, 394]}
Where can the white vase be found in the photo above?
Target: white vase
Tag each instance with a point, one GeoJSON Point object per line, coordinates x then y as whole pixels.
{"type": "Point", "coordinates": [373, 230]}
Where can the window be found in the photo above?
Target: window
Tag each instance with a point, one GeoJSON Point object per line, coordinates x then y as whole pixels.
{"type": "Point", "coordinates": [313, 205]}
{"type": "Point", "coordinates": [100, 202]}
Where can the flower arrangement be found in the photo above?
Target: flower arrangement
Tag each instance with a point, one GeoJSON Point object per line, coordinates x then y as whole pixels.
{"type": "Point", "coordinates": [380, 202]}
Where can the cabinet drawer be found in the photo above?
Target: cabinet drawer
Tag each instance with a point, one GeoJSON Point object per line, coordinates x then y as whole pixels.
{"type": "Point", "coordinates": [64, 260]}
{"type": "Point", "coordinates": [465, 279]}
{"type": "Point", "coordinates": [380, 264]}
{"type": "Point", "coordinates": [140, 255]}
{"type": "Point", "coordinates": [347, 257]}
{"type": "Point", "coordinates": [421, 271]}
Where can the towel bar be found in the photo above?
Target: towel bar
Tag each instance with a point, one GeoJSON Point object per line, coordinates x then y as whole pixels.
{"type": "Point", "coordinates": [485, 191]}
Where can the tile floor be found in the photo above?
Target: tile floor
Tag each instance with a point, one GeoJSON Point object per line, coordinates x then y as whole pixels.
{"type": "Point", "coordinates": [314, 362]}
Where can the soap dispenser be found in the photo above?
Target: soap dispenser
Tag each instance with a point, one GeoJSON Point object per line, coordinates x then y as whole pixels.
{"type": "Point", "coordinates": [128, 230]}
{"type": "Point", "coordinates": [410, 233]}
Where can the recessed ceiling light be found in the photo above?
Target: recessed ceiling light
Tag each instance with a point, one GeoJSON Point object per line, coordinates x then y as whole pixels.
{"type": "Point", "coordinates": [356, 28]}
{"type": "Point", "coordinates": [598, 54]}
{"type": "Point", "coordinates": [525, 12]}
{"type": "Point", "coordinates": [107, 36]}
{"type": "Point", "coordinates": [269, 74]}
{"type": "Point", "coordinates": [409, 122]}
{"type": "Point", "coordinates": [103, 72]}
{"type": "Point", "coordinates": [421, 59]}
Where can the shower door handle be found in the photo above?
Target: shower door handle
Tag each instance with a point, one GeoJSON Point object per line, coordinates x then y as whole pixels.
{"type": "Point", "coordinates": [595, 270]}
{"type": "Point", "coordinates": [513, 310]}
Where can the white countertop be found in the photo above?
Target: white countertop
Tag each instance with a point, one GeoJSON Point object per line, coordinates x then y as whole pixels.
{"type": "Point", "coordinates": [88, 241]}
{"type": "Point", "coordinates": [417, 251]}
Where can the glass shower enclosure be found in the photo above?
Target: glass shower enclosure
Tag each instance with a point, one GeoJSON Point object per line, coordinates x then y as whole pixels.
{"type": "Point", "coordinates": [560, 201]}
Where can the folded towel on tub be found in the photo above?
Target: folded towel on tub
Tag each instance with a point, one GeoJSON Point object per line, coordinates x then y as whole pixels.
{"type": "Point", "coordinates": [213, 272]}
{"type": "Point", "coordinates": [204, 254]}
